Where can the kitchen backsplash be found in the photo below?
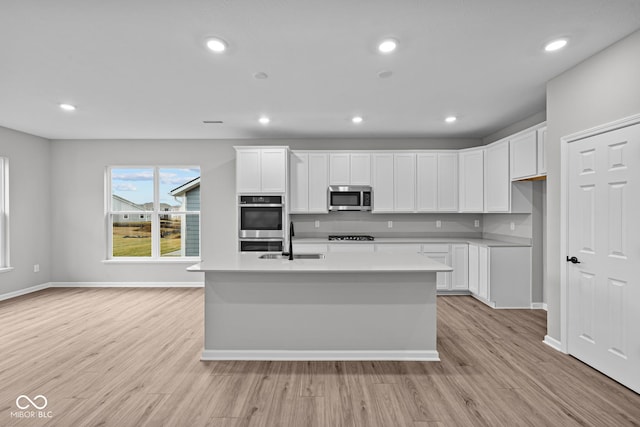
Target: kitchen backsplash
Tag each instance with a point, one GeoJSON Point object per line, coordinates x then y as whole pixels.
{"type": "Point", "coordinates": [377, 225]}
{"type": "Point", "coordinates": [491, 226]}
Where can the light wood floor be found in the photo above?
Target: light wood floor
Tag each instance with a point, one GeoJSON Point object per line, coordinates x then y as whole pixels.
{"type": "Point", "coordinates": [130, 357]}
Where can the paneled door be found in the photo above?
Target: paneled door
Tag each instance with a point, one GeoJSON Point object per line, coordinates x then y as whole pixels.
{"type": "Point", "coordinates": [603, 253]}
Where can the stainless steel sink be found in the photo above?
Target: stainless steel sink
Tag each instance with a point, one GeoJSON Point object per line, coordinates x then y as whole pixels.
{"type": "Point", "coordinates": [295, 256]}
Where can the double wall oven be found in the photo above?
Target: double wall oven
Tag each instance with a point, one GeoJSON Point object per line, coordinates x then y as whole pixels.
{"type": "Point", "coordinates": [260, 223]}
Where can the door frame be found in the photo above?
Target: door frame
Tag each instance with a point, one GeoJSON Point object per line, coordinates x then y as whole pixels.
{"type": "Point", "coordinates": [563, 345]}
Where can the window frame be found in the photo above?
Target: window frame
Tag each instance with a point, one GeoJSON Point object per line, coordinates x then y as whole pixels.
{"type": "Point", "coordinates": [155, 214]}
{"type": "Point", "coordinates": [5, 259]}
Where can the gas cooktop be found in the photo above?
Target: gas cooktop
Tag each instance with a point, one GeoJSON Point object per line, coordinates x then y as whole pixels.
{"type": "Point", "coordinates": [354, 237]}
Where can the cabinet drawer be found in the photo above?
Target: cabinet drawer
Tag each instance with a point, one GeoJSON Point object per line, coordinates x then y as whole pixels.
{"type": "Point", "coordinates": [432, 248]}
{"type": "Point", "coordinates": [398, 248]}
{"type": "Point", "coordinates": [351, 247]}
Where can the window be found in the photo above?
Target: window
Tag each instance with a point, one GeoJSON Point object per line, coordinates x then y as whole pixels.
{"type": "Point", "coordinates": [4, 213]}
{"type": "Point", "coordinates": [153, 212]}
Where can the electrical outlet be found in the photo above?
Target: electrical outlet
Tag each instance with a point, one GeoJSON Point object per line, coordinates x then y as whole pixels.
{"type": "Point", "coordinates": [36, 268]}
{"type": "Point", "coordinates": [438, 224]}
{"type": "Point", "coordinates": [317, 224]}
{"type": "Point", "coordinates": [389, 224]}
{"type": "Point", "coordinates": [512, 225]}
{"type": "Point", "coordinates": [476, 223]}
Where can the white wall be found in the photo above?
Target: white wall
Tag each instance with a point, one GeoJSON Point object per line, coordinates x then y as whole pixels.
{"type": "Point", "coordinates": [30, 209]}
{"type": "Point", "coordinates": [603, 88]}
{"type": "Point", "coordinates": [78, 181]}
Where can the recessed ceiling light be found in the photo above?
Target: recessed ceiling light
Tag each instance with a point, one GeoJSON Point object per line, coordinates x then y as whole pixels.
{"type": "Point", "coordinates": [68, 107]}
{"type": "Point", "coordinates": [555, 45]}
{"type": "Point", "coordinates": [264, 120]}
{"type": "Point", "coordinates": [217, 45]}
{"type": "Point", "coordinates": [387, 46]}
{"type": "Point", "coordinates": [451, 119]}
{"type": "Point", "coordinates": [357, 119]}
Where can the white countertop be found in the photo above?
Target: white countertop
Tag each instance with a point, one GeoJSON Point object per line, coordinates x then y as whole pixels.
{"type": "Point", "coordinates": [332, 263]}
{"type": "Point", "coordinates": [480, 242]}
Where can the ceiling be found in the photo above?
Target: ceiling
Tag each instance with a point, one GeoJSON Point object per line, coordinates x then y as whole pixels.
{"type": "Point", "coordinates": [140, 69]}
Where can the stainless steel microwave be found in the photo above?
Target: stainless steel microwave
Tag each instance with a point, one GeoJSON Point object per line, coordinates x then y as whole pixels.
{"type": "Point", "coordinates": [349, 198]}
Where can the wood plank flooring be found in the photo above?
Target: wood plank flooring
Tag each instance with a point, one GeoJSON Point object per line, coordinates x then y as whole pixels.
{"type": "Point", "coordinates": [130, 357]}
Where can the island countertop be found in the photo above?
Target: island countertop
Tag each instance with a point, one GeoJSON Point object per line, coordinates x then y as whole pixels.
{"type": "Point", "coordinates": [333, 262]}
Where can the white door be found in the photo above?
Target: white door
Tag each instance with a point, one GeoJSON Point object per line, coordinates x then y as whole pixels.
{"type": "Point", "coordinates": [604, 235]}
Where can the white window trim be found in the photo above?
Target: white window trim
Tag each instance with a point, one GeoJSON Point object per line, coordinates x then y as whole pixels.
{"type": "Point", "coordinates": [5, 258]}
{"type": "Point", "coordinates": [155, 257]}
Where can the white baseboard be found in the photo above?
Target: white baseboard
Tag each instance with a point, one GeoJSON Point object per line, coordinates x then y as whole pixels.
{"type": "Point", "coordinates": [553, 343]}
{"type": "Point", "coordinates": [24, 291]}
{"type": "Point", "coordinates": [539, 306]}
{"type": "Point", "coordinates": [544, 306]}
{"type": "Point", "coordinates": [400, 355]}
{"type": "Point", "coordinates": [127, 284]}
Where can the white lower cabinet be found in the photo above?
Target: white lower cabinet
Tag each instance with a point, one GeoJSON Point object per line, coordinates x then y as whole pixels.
{"type": "Point", "coordinates": [501, 276]}
{"type": "Point", "coordinates": [460, 264]}
{"type": "Point", "coordinates": [439, 252]}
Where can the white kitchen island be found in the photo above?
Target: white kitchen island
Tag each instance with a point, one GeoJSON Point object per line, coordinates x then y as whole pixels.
{"type": "Point", "coordinates": [347, 306]}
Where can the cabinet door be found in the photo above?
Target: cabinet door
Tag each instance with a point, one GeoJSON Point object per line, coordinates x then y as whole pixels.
{"type": "Point", "coordinates": [524, 156]}
{"type": "Point", "coordinates": [542, 151]}
{"type": "Point", "coordinates": [248, 171]}
{"type": "Point", "coordinates": [404, 187]}
{"type": "Point", "coordinates": [405, 248]}
{"type": "Point", "coordinates": [383, 187]}
{"type": "Point", "coordinates": [427, 182]}
{"type": "Point", "coordinates": [483, 272]}
{"type": "Point", "coordinates": [460, 264]}
{"type": "Point", "coordinates": [472, 181]}
{"type": "Point", "coordinates": [474, 269]}
{"type": "Point", "coordinates": [339, 165]}
{"type": "Point", "coordinates": [443, 280]}
{"type": "Point", "coordinates": [360, 169]}
{"type": "Point", "coordinates": [318, 182]}
{"type": "Point", "coordinates": [447, 182]}
{"type": "Point", "coordinates": [274, 170]}
{"type": "Point", "coordinates": [351, 247]}
{"type": "Point", "coordinates": [299, 183]}
{"type": "Point", "coordinates": [497, 182]}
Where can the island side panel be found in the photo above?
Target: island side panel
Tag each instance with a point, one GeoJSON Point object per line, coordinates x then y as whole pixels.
{"type": "Point", "coordinates": [320, 315]}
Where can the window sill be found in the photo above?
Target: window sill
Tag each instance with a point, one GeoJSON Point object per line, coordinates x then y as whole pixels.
{"type": "Point", "coordinates": [151, 261]}
{"type": "Point", "coordinates": [5, 269]}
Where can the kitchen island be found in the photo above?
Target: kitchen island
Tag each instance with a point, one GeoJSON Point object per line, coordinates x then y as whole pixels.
{"type": "Point", "coordinates": [346, 306]}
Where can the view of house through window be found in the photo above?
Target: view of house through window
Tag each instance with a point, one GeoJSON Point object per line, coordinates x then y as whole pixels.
{"type": "Point", "coordinates": [154, 211]}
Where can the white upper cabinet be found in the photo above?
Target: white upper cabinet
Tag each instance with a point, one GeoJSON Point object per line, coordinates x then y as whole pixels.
{"type": "Point", "coordinates": [394, 182]}
{"type": "Point", "coordinates": [524, 156]}
{"type": "Point", "coordinates": [318, 182]}
{"type": "Point", "coordinates": [261, 170]}
{"type": "Point", "coordinates": [383, 182]}
{"type": "Point", "coordinates": [248, 174]}
{"type": "Point", "coordinates": [448, 182]}
{"type": "Point", "coordinates": [340, 169]}
{"type": "Point", "coordinates": [437, 182]}
{"type": "Point", "coordinates": [360, 169]}
{"type": "Point", "coordinates": [497, 184]}
{"type": "Point", "coordinates": [542, 151]}
{"type": "Point", "coordinates": [299, 184]}
{"type": "Point", "coordinates": [404, 174]}
{"type": "Point", "coordinates": [471, 163]}
{"type": "Point", "coordinates": [427, 182]}
{"type": "Point", "coordinates": [309, 182]}
{"type": "Point", "coordinates": [350, 169]}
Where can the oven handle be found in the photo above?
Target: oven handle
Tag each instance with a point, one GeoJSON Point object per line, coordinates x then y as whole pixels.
{"type": "Point", "coordinates": [261, 206]}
